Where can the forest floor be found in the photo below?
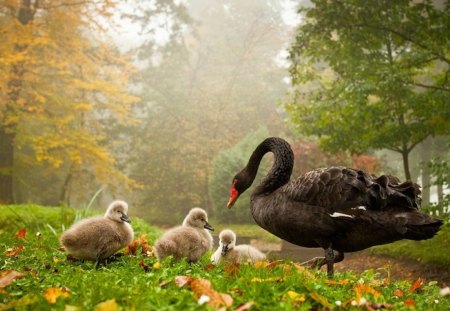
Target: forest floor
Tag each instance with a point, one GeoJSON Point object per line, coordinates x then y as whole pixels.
{"type": "Point", "coordinates": [399, 268]}
{"type": "Point", "coordinates": [395, 267]}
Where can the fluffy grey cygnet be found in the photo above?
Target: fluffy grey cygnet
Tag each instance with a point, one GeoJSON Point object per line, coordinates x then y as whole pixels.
{"type": "Point", "coordinates": [228, 251]}
{"type": "Point", "coordinates": [98, 238]}
{"type": "Point", "coordinates": [190, 240]}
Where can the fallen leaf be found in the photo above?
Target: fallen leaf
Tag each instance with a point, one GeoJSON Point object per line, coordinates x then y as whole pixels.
{"type": "Point", "coordinates": [341, 282]}
{"type": "Point", "coordinates": [52, 294]}
{"type": "Point", "coordinates": [203, 291]}
{"type": "Point", "coordinates": [232, 269]}
{"type": "Point", "coordinates": [108, 305]}
{"type": "Point", "coordinates": [72, 308]}
{"type": "Point", "coordinates": [267, 264]}
{"type": "Point", "coordinates": [55, 259]}
{"type": "Point", "coordinates": [181, 281]}
{"type": "Point", "coordinates": [398, 293]}
{"type": "Point", "coordinates": [157, 265]}
{"type": "Point", "coordinates": [144, 266]}
{"type": "Point", "coordinates": [410, 303]}
{"type": "Point", "coordinates": [416, 285]}
{"type": "Point", "coordinates": [362, 289]}
{"type": "Point", "coordinates": [21, 234]}
{"type": "Point", "coordinates": [209, 267]}
{"type": "Point", "coordinates": [7, 276]}
{"type": "Point", "coordinates": [141, 242]}
{"type": "Point", "coordinates": [202, 287]}
{"type": "Point", "coordinates": [320, 299]}
{"type": "Point", "coordinates": [12, 252]}
{"type": "Point", "coordinates": [244, 307]}
{"type": "Point", "coordinates": [165, 283]}
{"type": "Point", "coordinates": [237, 291]}
{"type": "Point", "coordinates": [296, 298]}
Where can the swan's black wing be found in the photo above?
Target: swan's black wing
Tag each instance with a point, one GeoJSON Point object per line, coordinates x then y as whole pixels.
{"type": "Point", "coordinates": [340, 188]}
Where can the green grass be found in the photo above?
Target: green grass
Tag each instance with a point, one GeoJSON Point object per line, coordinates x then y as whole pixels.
{"type": "Point", "coordinates": [435, 251]}
{"type": "Point", "coordinates": [134, 283]}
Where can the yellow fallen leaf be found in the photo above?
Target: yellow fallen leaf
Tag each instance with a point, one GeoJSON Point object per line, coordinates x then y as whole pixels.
{"type": "Point", "coordinates": [72, 308]}
{"type": "Point", "coordinates": [341, 282]}
{"type": "Point", "coordinates": [260, 264]}
{"type": "Point", "coordinates": [108, 305]}
{"type": "Point", "coordinates": [55, 259]}
{"type": "Point", "coordinates": [52, 294]}
{"type": "Point", "coordinates": [157, 265]}
{"type": "Point", "coordinates": [296, 298]}
{"type": "Point", "coordinates": [321, 299]}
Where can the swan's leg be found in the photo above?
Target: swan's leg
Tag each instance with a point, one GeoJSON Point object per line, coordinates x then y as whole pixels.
{"type": "Point", "coordinates": [329, 259]}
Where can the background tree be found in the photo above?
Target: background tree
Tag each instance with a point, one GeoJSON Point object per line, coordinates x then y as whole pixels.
{"type": "Point", "coordinates": [371, 74]}
{"type": "Point", "coordinates": [59, 90]}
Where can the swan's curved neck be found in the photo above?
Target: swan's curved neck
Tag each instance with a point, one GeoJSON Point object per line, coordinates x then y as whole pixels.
{"type": "Point", "coordinates": [281, 170]}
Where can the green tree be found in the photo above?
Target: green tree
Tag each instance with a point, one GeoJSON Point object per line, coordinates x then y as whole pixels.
{"type": "Point", "coordinates": [371, 74]}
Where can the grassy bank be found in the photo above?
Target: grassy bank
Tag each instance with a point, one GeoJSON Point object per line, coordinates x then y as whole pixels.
{"type": "Point", "coordinates": [44, 279]}
{"type": "Point", "coordinates": [434, 251]}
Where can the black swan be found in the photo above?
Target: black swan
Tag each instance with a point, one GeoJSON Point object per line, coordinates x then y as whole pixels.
{"type": "Point", "coordinates": [337, 208]}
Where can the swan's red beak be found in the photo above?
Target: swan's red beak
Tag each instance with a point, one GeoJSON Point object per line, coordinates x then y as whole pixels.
{"type": "Point", "coordinates": [233, 196]}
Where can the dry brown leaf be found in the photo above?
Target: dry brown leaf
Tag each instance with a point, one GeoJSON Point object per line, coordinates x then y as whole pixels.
{"type": "Point", "coordinates": [12, 252]}
{"type": "Point", "coordinates": [52, 294]}
{"type": "Point", "coordinates": [202, 287]}
{"type": "Point", "coordinates": [21, 234]}
{"type": "Point", "coordinates": [7, 276]}
{"type": "Point", "coordinates": [232, 269]}
{"type": "Point", "coordinates": [182, 280]}
{"type": "Point", "coordinates": [108, 305]}
{"type": "Point", "coordinates": [416, 285]}
{"type": "Point", "coordinates": [209, 267]}
{"type": "Point", "coordinates": [244, 307]}
{"type": "Point", "coordinates": [132, 248]}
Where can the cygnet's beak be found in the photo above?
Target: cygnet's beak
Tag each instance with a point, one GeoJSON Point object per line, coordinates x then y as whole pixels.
{"type": "Point", "coordinates": [208, 226]}
{"type": "Point", "coordinates": [125, 218]}
{"type": "Point", "coordinates": [224, 249]}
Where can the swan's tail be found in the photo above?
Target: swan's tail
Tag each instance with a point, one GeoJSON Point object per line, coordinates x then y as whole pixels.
{"type": "Point", "coordinates": [417, 226]}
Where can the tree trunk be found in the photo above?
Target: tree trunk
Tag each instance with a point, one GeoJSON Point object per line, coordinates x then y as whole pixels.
{"type": "Point", "coordinates": [8, 131]}
{"type": "Point", "coordinates": [6, 165]}
{"type": "Point", "coordinates": [405, 157]}
{"type": "Point", "coordinates": [425, 155]}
